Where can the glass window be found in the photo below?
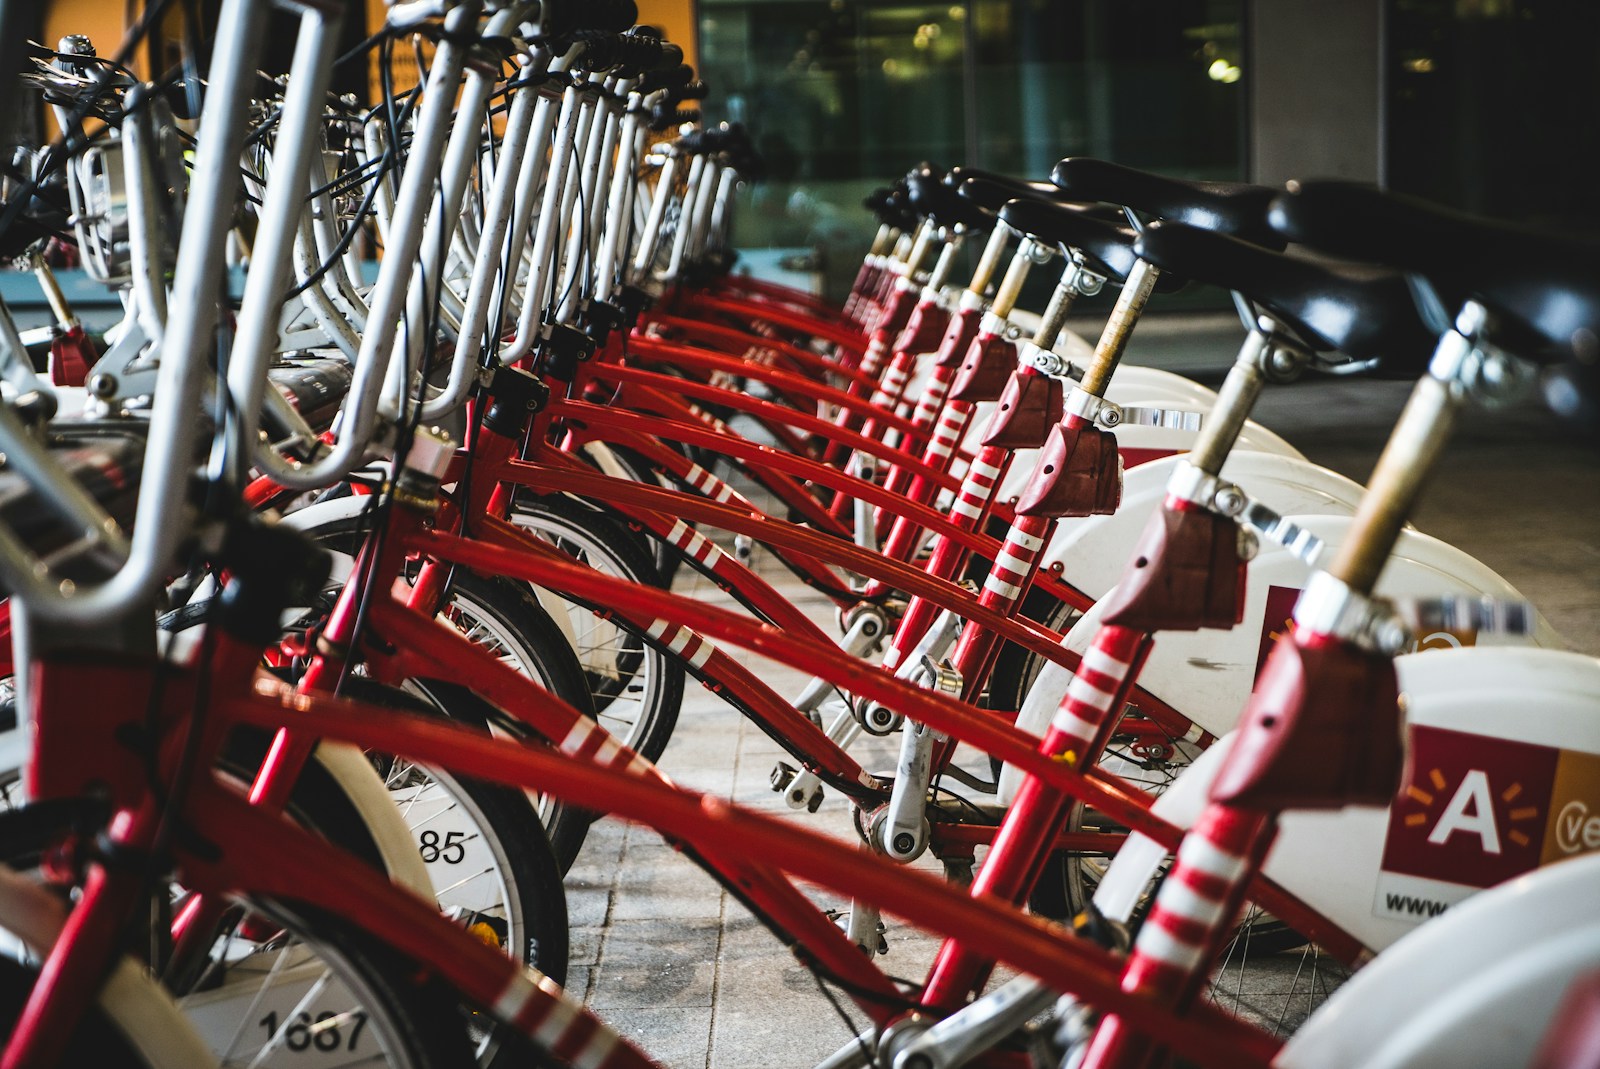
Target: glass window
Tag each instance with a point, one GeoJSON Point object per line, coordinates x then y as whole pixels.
{"type": "Point", "coordinates": [842, 95]}
{"type": "Point", "coordinates": [1493, 107]}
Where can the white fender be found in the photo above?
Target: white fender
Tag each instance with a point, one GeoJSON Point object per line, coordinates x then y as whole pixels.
{"type": "Point", "coordinates": [1207, 675]}
{"type": "Point", "coordinates": [1516, 730]}
{"type": "Point", "coordinates": [1476, 989]}
{"type": "Point", "coordinates": [1139, 445]}
{"type": "Point", "coordinates": [376, 807]}
{"type": "Point", "coordinates": [360, 783]}
{"type": "Point", "coordinates": [1093, 552]}
{"type": "Point", "coordinates": [138, 1007]}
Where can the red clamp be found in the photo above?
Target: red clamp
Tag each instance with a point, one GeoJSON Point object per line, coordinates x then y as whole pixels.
{"type": "Point", "coordinates": [1186, 574]}
{"type": "Point", "coordinates": [896, 313]}
{"type": "Point", "coordinates": [923, 330]}
{"type": "Point", "coordinates": [71, 356]}
{"type": "Point", "coordinates": [1322, 731]}
{"type": "Point", "coordinates": [1079, 473]}
{"type": "Point", "coordinates": [958, 336]}
{"type": "Point", "coordinates": [1030, 405]}
{"type": "Point", "coordinates": [985, 369]}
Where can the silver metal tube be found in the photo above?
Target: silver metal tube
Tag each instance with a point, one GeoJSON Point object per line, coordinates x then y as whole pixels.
{"type": "Point", "coordinates": [487, 265]}
{"type": "Point", "coordinates": [945, 263]}
{"type": "Point", "coordinates": [1136, 290]}
{"type": "Point", "coordinates": [256, 335]}
{"type": "Point", "coordinates": [191, 329]}
{"type": "Point", "coordinates": [705, 197]}
{"type": "Point", "coordinates": [680, 238]}
{"type": "Point", "coordinates": [586, 193]}
{"type": "Point", "coordinates": [609, 151]}
{"type": "Point", "coordinates": [572, 185]}
{"type": "Point", "coordinates": [427, 284]}
{"type": "Point", "coordinates": [617, 215]}
{"type": "Point", "coordinates": [390, 292]}
{"type": "Point", "coordinates": [550, 220]}
{"type": "Point", "coordinates": [1231, 408]}
{"type": "Point", "coordinates": [646, 253]}
{"type": "Point", "coordinates": [533, 169]}
{"type": "Point", "coordinates": [720, 233]}
{"type": "Point", "coordinates": [144, 225]}
{"type": "Point", "coordinates": [994, 250]}
{"type": "Point", "coordinates": [318, 244]}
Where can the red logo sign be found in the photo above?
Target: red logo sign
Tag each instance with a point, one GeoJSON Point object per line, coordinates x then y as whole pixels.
{"type": "Point", "coordinates": [1475, 810]}
{"type": "Point", "coordinates": [1133, 456]}
{"type": "Point", "coordinates": [1276, 621]}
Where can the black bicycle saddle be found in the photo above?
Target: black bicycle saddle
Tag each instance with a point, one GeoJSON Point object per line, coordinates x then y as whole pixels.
{"type": "Point", "coordinates": [1544, 289]}
{"type": "Point", "coordinates": [888, 203]}
{"type": "Point", "coordinates": [928, 195]}
{"type": "Point", "coordinates": [1107, 247]}
{"type": "Point", "coordinates": [1235, 208]}
{"type": "Point", "coordinates": [1363, 311]}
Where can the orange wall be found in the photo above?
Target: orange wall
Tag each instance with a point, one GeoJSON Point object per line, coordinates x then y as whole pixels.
{"type": "Point", "coordinates": [677, 18]}
{"type": "Point", "coordinates": [101, 20]}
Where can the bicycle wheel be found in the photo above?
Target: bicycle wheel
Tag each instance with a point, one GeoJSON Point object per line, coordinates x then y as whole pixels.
{"type": "Point", "coordinates": [637, 689]}
{"type": "Point", "coordinates": [640, 470]}
{"type": "Point", "coordinates": [490, 862]}
{"type": "Point", "coordinates": [504, 618]}
{"type": "Point", "coordinates": [279, 985]}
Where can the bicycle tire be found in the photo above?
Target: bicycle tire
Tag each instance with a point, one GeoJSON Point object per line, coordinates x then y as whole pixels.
{"type": "Point", "coordinates": [406, 1013]}
{"type": "Point", "coordinates": [596, 539]}
{"type": "Point", "coordinates": [511, 833]}
{"type": "Point", "coordinates": [537, 646]}
{"type": "Point", "coordinates": [666, 557]}
{"type": "Point", "coordinates": [543, 645]}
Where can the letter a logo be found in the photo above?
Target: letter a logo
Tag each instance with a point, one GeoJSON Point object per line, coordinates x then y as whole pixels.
{"type": "Point", "coordinates": [1469, 810]}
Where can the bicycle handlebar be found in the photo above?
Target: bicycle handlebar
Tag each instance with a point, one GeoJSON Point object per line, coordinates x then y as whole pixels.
{"type": "Point", "coordinates": [667, 78]}
{"type": "Point", "coordinates": [563, 18]}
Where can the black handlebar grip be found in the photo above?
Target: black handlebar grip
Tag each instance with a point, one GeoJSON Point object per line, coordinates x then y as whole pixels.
{"type": "Point", "coordinates": [692, 91]}
{"type": "Point", "coordinates": [671, 59]}
{"type": "Point", "coordinates": [666, 78]}
{"type": "Point", "coordinates": [662, 119]}
{"type": "Point", "coordinates": [562, 17]}
{"type": "Point", "coordinates": [626, 53]}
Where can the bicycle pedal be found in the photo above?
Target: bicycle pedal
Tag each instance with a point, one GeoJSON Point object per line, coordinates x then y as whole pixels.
{"type": "Point", "coordinates": [783, 774]}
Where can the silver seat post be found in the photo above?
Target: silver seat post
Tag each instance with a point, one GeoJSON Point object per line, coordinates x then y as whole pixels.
{"type": "Point", "coordinates": [613, 236]}
{"type": "Point", "coordinates": [543, 264]}
{"type": "Point", "coordinates": [358, 419]}
{"type": "Point", "coordinates": [650, 238]}
{"type": "Point", "coordinates": [680, 237]}
{"type": "Point", "coordinates": [493, 244]}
